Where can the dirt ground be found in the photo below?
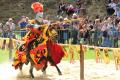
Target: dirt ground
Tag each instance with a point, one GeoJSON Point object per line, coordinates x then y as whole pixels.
{"type": "Point", "coordinates": [93, 71]}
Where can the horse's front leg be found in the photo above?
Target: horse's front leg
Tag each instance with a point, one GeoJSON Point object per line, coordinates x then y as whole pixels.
{"type": "Point", "coordinates": [31, 71]}
{"type": "Point", "coordinates": [44, 68]}
{"type": "Point", "coordinates": [20, 66]}
{"type": "Point", "coordinates": [53, 63]}
{"type": "Point", "coordinates": [59, 72]}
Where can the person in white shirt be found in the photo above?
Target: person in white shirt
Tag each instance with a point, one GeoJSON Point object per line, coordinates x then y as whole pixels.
{"type": "Point", "coordinates": [70, 7]}
{"type": "Point", "coordinates": [10, 24]}
{"type": "Point", "coordinates": [11, 27]}
{"type": "Point", "coordinates": [113, 5]}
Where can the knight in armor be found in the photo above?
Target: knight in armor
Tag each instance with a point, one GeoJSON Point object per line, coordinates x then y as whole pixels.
{"type": "Point", "coordinates": [39, 44]}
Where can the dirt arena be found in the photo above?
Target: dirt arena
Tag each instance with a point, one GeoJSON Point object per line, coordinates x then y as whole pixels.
{"type": "Point", "coordinates": [93, 71]}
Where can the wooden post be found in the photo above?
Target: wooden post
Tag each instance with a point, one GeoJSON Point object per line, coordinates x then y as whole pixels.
{"type": "Point", "coordinates": [10, 48]}
{"type": "Point", "coordinates": [81, 63]}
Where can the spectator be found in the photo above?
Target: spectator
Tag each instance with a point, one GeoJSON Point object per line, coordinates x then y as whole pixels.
{"type": "Point", "coordinates": [4, 30]}
{"type": "Point", "coordinates": [22, 24]}
{"type": "Point", "coordinates": [97, 32]}
{"type": "Point", "coordinates": [66, 33]}
{"type": "Point", "coordinates": [60, 31]}
{"type": "Point", "coordinates": [75, 25]}
{"type": "Point", "coordinates": [1, 28]}
{"type": "Point", "coordinates": [62, 8]}
{"type": "Point", "coordinates": [70, 7]}
{"type": "Point", "coordinates": [107, 30]}
{"type": "Point", "coordinates": [7, 31]}
{"type": "Point", "coordinates": [112, 4]}
{"type": "Point", "coordinates": [118, 12]}
{"type": "Point", "coordinates": [11, 27]}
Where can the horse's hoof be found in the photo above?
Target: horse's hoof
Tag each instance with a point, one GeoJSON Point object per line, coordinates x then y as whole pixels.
{"type": "Point", "coordinates": [33, 79]}
{"type": "Point", "coordinates": [44, 72]}
{"type": "Point", "coordinates": [60, 73]}
{"type": "Point", "coordinates": [27, 62]}
{"type": "Point", "coordinates": [21, 72]}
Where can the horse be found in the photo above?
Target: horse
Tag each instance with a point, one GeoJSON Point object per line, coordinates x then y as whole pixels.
{"type": "Point", "coordinates": [34, 46]}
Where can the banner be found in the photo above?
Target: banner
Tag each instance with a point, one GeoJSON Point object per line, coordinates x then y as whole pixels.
{"type": "Point", "coordinates": [98, 55]}
{"type": "Point", "coordinates": [106, 56]}
{"type": "Point", "coordinates": [116, 54]}
{"type": "Point", "coordinates": [71, 52]}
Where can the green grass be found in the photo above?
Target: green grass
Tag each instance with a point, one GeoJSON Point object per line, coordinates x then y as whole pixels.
{"type": "Point", "coordinates": [4, 55]}
{"type": "Point", "coordinates": [89, 54]}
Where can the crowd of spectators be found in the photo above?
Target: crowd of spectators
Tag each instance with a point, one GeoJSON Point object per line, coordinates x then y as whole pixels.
{"type": "Point", "coordinates": [8, 28]}
{"type": "Point", "coordinates": [104, 32]}
{"type": "Point", "coordinates": [99, 32]}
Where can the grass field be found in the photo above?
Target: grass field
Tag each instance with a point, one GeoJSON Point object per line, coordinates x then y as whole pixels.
{"type": "Point", "coordinates": [4, 55]}
{"type": "Point", "coordinates": [89, 54]}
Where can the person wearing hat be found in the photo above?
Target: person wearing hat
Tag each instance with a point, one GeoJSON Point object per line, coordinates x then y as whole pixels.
{"type": "Point", "coordinates": [97, 32]}
{"type": "Point", "coordinates": [38, 10]}
{"type": "Point", "coordinates": [11, 27]}
{"type": "Point", "coordinates": [74, 16]}
{"type": "Point", "coordinates": [75, 30]}
{"type": "Point", "coordinates": [7, 31]}
{"type": "Point", "coordinates": [61, 19]}
{"type": "Point", "coordinates": [66, 32]}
